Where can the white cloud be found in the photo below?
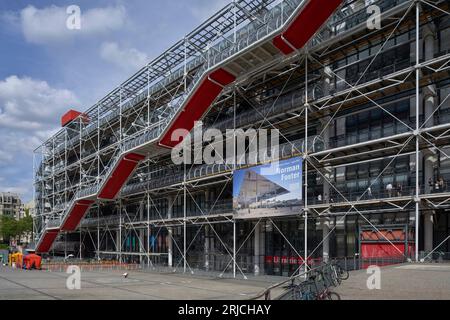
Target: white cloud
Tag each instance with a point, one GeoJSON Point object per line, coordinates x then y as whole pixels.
{"type": "Point", "coordinates": [48, 25]}
{"type": "Point", "coordinates": [100, 20]}
{"type": "Point", "coordinates": [129, 59]}
{"type": "Point", "coordinates": [29, 113]}
{"type": "Point", "coordinates": [32, 105]}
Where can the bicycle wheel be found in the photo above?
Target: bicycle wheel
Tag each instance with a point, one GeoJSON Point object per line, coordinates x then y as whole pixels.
{"type": "Point", "coordinates": [332, 278]}
{"type": "Point", "coordinates": [343, 274]}
{"type": "Point", "coordinates": [335, 274]}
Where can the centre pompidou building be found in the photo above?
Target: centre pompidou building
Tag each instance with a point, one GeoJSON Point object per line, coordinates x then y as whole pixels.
{"type": "Point", "coordinates": [360, 98]}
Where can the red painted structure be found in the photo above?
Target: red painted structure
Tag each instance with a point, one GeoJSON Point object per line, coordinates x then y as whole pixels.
{"type": "Point", "coordinates": [299, 31]}
{"type": "Point", "coordinates": [390, 244]}
{"type": "Point", "coordinates": [71, 115]}
{"type": "Point", "coordinates": [196, 106]}
{"type": "Point", "coordinates": [48, 238]}
{"type": "Point", "coordinates": [120, 175]}
{"type": "Point", "coordinates": [75, 215]}
{"type": "Point", "coordinates": [305, 25]}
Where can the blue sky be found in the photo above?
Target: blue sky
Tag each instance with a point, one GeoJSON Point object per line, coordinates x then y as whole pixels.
{"type": "Point", "coordinates": [46, 69]}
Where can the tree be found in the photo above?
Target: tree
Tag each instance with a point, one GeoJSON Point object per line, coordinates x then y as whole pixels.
{"type": "Point", "coordinates": [8, 228]}
{"type": "Point", "coordinates": [25, 225]}
{"type": "Point", "coordinates": [11, 228]}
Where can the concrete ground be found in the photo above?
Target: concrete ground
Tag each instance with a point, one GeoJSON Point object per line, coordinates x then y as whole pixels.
{"type": "Point", "coordinates": [407, 281]}
{"type": "Point", "coordinates": [20, 284]}
{"type": "Point", "coordinates": [400, 282]}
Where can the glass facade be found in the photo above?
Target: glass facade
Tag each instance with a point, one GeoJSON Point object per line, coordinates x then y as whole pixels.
{"type": "Point", "coordinates": [361, 163]}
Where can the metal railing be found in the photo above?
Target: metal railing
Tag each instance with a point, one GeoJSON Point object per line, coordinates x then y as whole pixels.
{"type": "Point", "coordinates": [247, 36]}
{"type": "Point", "coordinates": [357, 263]}
{"type": "Point", "coordinates": [375, 193]}
{"type": "Point", "coordinates": [435, 256]}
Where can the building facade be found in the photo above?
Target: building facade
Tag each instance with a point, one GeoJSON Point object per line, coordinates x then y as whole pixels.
{"type": "Point", "coordinates": [365, 107]}
{"type": "Point", "coordinates": [11, 205]}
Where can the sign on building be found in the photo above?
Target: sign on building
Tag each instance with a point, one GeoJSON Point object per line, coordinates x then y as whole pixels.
{"type": "Point", "coordinates": [268, 190]}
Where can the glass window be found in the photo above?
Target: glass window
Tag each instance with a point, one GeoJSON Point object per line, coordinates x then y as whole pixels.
{"type": "Point", "coordinates": [351, 172]}
{"type": "Point", "coordinates": [364, 54]}
{"type": "Point", "coordinates": [402, 52]}
{"type": "Point", "coordinates": [352, 58]}
{"type": "Point", "coordinates": [351, 185]}
{"type": "Point", "coordinates": [374, 169]}
{"type": "Point", "coordinates": [444, 97]}
{"type": "Point", "coordinates": [363, 171]}
{"type": "Point", "coordinates": [374, 50]}
{"type": "Point", "coordinates": [352, 73]}
{"type": "Point", "coordinates": [402, 178]}
{"type": "Point", "coordinates": [402, 38]}
{"type": "Point", "coordinates": [444, 38]}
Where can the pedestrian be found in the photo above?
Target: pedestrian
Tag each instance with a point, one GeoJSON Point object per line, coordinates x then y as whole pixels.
{"type": "Point", "coordinates": [319, 198]}
{"type": "Point", "coordinates": [369, 192]}
{"type": "Point", "coordinates": [389, 189]}
{"type": "Point", "coordinates": [399, 190]}
{"type": "Point", "coordinates": [441, 184]}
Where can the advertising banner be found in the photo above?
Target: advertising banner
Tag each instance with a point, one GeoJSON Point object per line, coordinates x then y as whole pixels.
{"type": "Point", "coordinates": [268, 190]}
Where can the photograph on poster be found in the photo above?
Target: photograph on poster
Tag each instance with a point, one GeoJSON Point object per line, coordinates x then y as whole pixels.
{"type": "Point", "coordinates": [269, 190]}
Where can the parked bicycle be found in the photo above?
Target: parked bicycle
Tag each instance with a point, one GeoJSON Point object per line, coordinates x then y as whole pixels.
{"type": "Point", "coordinates": [318, 284]}
{"type": "Point", "coordinates": [339, 273]}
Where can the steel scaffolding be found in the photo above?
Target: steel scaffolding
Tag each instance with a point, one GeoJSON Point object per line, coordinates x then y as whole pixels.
{"type": "Point", "coordinates": [307, 95]}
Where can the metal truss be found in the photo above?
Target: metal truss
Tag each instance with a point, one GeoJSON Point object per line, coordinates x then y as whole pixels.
{"type": "Point", "coordinates": [306, 93]}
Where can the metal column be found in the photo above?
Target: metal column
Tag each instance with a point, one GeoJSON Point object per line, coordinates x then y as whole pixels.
{"type": "Point", "coordinates": [305, 157]}
{"type": "Point", "coordinates": [184, 221]}
{"type": "Point", "coordinates": [234, 248]}
{"type": "Point", "coordinates": [417, 130]}
{"type": "Point", "coordinates": [148, 230]}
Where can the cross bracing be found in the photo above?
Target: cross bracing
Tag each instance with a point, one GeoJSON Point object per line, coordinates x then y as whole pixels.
{"type": "Point", "coordinates": [271, 94]}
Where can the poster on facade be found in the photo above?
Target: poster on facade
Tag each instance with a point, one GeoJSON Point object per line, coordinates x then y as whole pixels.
{"type": "Point", "coordinates": [268, 190]}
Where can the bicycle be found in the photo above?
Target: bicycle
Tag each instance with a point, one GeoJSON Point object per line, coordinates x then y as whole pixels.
{"type": "Point", "coordinates": [317, 285]}
{"type": "Point", "coordinates": [324, 293]}
{"type": "Point", "coordinates": [339, 272]}
{"type": "Point", "coordinates": [330, 275]}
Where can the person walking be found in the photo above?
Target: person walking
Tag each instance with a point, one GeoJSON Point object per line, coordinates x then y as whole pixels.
{"type": "Point", "coordinates": [399, 190]}
{"type": "Point", "coordinates": [389, 189]}
{"type": "Point", "coordinates": [441, 184]}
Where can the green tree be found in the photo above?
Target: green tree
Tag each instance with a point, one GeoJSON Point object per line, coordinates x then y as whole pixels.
{"type": "Point", "coordinates": [25, 225]}
{"type": "Point", "coordinates": [8, 228]}
{"type": "Point", "coordinates": [11, 228]}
